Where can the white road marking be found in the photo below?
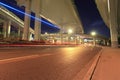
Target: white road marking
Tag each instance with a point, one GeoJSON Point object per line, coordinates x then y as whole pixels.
{"type": "Point", "coordinates": [21, 58]}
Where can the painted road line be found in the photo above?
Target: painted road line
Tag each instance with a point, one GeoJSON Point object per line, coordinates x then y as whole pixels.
{"type": "Point", "coordinates": [16, 59]}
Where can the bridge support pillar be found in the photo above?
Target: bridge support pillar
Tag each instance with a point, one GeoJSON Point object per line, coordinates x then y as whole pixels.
{"type": "Point", "coordinates": [19, 33]}
{"type": "Point", "coordinates": [7, 29]}
{"type": "Point", "coordinates": [114, 36]}
{"type": "Point", "coordinates": [81, 41]}
{"type": "Point", "coordinates": [37, 27]}
{"type": "Point", "coordinates": [31, 38]}
{"type": "Point", "coordinates": [27, 21]}
{"type": "Point", "coordinates": [113, 24]}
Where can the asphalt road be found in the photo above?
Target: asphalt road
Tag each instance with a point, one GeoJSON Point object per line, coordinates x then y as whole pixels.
{"type": "Point", "coordinates": [44, 63]}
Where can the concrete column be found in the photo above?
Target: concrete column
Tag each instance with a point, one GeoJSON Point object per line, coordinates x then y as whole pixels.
{"type": "Point", "coordinates": [61, 36]}
{"type": "Point", "coordinates": [37, 22]}
{"type": "Point", "coordinates": [37, 29]}
{"type": "Point", "coordinates": [113, 23]}
{"type": "Point", "coordinates": [104, 42]}
{"type": "Point", "coordinates": [27, 20]}
{"type": "Point", "coordinates": [81, 41]}
{"type": "Point", "coordinates": [114, 37]}
{"type": "Point", "coordinates": [30, 38]}
{"type": "Point", "coordinates": [19, 32]}
{"type": "Point", "coordinates": [7, 29]}
{"type": "Point", "coordinates": [94, 41]}
{"type": "Point", "coordinates": [77, 39]}
{"type": "Point", "coordinates": [49, 36]}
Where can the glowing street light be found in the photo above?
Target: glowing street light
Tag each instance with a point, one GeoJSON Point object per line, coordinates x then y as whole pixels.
{"type": "Point", "coordinates": [70, 31]}
{"type": "Point", "coordinates": [46, 33]}
{"type": "Point", "coordinates": [93, 34]}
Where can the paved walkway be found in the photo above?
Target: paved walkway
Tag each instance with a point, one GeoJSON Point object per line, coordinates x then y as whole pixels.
{"type": "Point", "coordinates": [108, 67]}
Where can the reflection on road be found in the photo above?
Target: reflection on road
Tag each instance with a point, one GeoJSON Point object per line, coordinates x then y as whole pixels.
{"type": "Point", "coordinates": [36, 63]}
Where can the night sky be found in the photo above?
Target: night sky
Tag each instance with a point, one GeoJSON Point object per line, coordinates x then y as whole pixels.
{"type": "Point", "coordinates": [91, 18]}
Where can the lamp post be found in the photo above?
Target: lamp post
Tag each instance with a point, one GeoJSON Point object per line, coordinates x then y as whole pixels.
{"type": "Point", "coordinates": [93, 34]}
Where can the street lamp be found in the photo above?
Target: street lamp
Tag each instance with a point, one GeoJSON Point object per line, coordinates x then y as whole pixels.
{"type": "Point", "coordinates": [93, 34]}
{"type": "Point", "coordinates": [46, 33]}
{"type": "Point", "coordinates": [70, 31]}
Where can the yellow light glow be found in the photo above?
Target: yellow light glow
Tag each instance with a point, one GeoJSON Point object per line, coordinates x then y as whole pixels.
{"type": "Point", "coordinates": [93, 33]}
{"type": "Point", "coordinates": [46, 33]}
{"type": "Point", "coordinates": [70, 31]}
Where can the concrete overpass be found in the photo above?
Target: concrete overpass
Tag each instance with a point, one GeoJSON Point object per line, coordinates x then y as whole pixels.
{"type": "Point", "coordinates": [8, 19]}
{"type": "Point", "coordinates": [60, 12]}
{"type": "Point", "coordinates": [110, 12]}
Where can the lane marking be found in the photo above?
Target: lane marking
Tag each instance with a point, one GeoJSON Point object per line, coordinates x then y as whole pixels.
{"type": "Point", "coordinates": [16, 59]}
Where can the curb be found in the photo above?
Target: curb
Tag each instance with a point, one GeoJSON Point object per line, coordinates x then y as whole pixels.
{"type": "Point", "coordinates": [91, 70]}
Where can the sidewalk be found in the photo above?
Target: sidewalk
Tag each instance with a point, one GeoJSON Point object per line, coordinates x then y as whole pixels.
{"type": "Point", "coordinates": [108, 67]}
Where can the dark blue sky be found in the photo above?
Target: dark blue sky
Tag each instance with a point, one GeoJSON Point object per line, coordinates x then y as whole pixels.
{"type": "Point", "coordinates": [91, 18]}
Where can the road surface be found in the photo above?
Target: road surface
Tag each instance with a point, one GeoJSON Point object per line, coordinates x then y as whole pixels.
{"type": "Point", "coordinates": [44, 63]}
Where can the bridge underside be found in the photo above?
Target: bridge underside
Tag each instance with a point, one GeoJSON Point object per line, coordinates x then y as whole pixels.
{"type": "Point", "coordinates": [110, 12]}
{"type": "Point", "coordinates": [61, 13]}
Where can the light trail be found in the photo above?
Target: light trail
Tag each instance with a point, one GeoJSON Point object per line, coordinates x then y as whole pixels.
{"type": "Point", "coordinates": [5, 5]}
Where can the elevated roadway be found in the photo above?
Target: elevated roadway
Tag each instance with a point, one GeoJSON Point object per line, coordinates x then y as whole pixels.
{"type": "Point", "coordinates": [8, 15]}
{"type": "Point", "coordinates": [110, 12]}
